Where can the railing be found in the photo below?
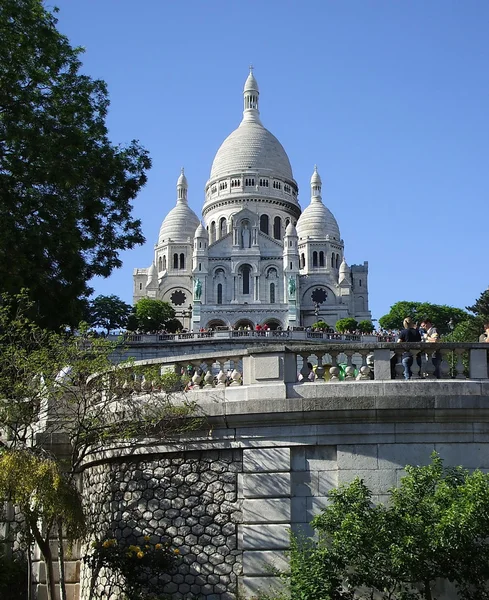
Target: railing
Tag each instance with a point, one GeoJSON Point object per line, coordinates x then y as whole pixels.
{"type": "Point", "coordinates": [330, 362]}
{"type": "Point", "coordinates": [295, 334]}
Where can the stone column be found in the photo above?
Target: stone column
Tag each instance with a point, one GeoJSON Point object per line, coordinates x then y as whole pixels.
{"type": "Point", "coordinates": [264, 535]}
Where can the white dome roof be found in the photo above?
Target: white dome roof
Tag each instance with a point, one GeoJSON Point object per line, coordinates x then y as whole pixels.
{"type": "Point", "coordinates": [251, 146]}
{"type": "Point", "coordinates": [179, 224]}
{"type": "Point", "coordinates": [290, 230]}
{"type": "Point", "coordinates": [201, 231]}
{"type": "Point", "coordinates": [317, 222]}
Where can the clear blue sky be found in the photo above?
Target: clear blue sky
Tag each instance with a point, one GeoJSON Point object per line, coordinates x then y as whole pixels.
{"type": "Point", "coordinates": [390, 98]}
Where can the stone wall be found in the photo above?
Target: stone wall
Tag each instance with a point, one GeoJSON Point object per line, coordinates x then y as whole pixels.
{"type": "Point", "coordinates": [189, 499]}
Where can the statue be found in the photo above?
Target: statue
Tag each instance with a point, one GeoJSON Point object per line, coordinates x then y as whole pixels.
{"type": "Point", "coordinates": [245, 236]}
{"type": "Point", "coordinates": [291, 285]}
{"type": "Point", "coordinates": [197, 289]}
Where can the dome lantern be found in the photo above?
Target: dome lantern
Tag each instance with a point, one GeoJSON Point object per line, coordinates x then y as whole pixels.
{"type": "Point", "coordinates": [250, 98]}
{"type": "Point", "coordinates": [316, 184]}
{"type": "Point", "coordinates": [182, 187]}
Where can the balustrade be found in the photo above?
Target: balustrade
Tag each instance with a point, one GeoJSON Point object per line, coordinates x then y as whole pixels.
{"type": "Point", "coordinates": [324, 363]}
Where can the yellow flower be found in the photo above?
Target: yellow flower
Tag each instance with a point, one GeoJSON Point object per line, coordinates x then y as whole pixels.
{"type": "Point", "coordinates": [147, 546]}
{"type": "Point", "coordinates": [146, 538]}
{"type": "Point", "coordinates": [106, 544]}
{"type": "Point", "coordinates": [134, 548]}
{"type": "Point", "coordinates": [140, 554]}
{"type": "Point", "coordinates": [176, 551]}
{"type": "Point", "coordinates": [158, 547]}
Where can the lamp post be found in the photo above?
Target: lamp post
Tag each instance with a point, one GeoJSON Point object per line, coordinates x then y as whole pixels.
{"type": "Point", "coordinates": [187, 313]}
{"type": "Point", "coordinates": [316, 309]}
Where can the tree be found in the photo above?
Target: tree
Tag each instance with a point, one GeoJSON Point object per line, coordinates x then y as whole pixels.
{"type": "Point", "coordinates": [481, 306]}
{"type": "Point", "coordinates": [434, 527]}
{"type": "Point", "coordinates": [153, 315]}
{"type": "Point", "coordinates": [109, 312]}
{"type": "Point", "coordinates": [66, 190]}
{"type": "Point", "coordinates": [320, 325]}
{"type": "Point", "coordinates": [366, 326]}
{"type": "Point", "coordinates": [66, 388]}
{"type": "Point", "coordinates": [441, 315]}
{"type": "Point", "coordinates": [348, 324]}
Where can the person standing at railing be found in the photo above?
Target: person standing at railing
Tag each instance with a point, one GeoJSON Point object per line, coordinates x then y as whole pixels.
{"type": "Point", "coordinates": [409, 334]}
{"type": "Point", "coordinates": [432, 336]}
{"type": "Point", "coordinates": [484, 337]}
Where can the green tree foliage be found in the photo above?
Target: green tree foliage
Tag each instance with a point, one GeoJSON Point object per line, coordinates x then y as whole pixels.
{"type": "Point", "coordinates": [441, 315]}
{"type": "Point", "coordinates": [366, 326]}
{"type": "Point", "coordinates": [481, 306]}
{"type": "Point", "coordinates": [66, 387]}
{"type": "Point", "coordinates": [66, 191]}
{"type": "Point", "coordinates": [36, 485]}
{"type": "Point", "coordinates": [348, 324]}
{"type": "Point", "coordinates": [435, 526]}
{"type": "Point", "coordinates": [153, 315]}
{"type": "Point", "coordinates": [320, 325]}
{"type": "Point", "coordinates": [13, 576]}
{"type": "Point", "coordinates": [109, 312]}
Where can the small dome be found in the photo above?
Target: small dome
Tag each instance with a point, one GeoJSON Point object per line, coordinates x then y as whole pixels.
{"type": "Point", "coordinates": [251, 85]}
{"type": "Point", "coordinates": [344, 268]}
{"type": "Point", "coordinates": [179, 224]}
{"type": "Point", "coordinates": [201, 231]}
{"type": "Point", "coordinates": [317, 221]}
{"type": "Point", "coordinates": [315, 178]}
{"type": "Point", "coordinates": [182, 180]}
{"type": "Point", "coordinates": [290, 230]}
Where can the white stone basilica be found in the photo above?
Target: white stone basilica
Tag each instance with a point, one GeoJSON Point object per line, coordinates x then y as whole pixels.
{"type": "Point", "coordinates": [256, 259]}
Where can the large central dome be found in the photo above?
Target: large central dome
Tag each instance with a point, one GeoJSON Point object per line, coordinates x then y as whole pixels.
{"type": "Point", "coordinates": [251, 146]}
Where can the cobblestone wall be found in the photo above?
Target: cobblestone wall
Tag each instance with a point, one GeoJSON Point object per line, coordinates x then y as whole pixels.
{"type": "Point", "coordinates": [190, 500]}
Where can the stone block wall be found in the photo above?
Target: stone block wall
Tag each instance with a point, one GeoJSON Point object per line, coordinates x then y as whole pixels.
{"type": "Point", "coordinates": [190, 499]}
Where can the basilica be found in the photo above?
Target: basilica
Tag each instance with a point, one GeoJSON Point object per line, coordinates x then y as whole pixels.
{"type": "Point", "coordinates": [256, 258]}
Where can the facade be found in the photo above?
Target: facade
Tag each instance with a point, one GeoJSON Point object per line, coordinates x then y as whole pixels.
{"type": "Point", "coordinates": [256, 258]}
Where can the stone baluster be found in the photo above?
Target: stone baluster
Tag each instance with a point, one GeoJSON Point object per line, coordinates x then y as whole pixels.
{"type": "Point", "coordinates": [320, 370]}
{"type": "Point", "coordinates": [236, 378]}
{"type": "Point", "coordinates": [459, 367]}
{"type": "Point", "coordinates": [334, 370]}
{"type": "Point", "coordinates": [305, 369]}
{"type": "Point", "coordinates": [208, 379]}
{"type": "Point", "coordinates": [445, 364]}
{"type": "Point", "coordinates": [350, 373]}
{"type": "Point", "coordinates": [364, 374]}
{"type": "Point", "coordinates": [428, 368]}
{"type": "Point", "coordinates": [415, 368]}
{"type": "Point", "coordinates": [399, 367]}
{"type": "Point", "coordinates": [221, 376]}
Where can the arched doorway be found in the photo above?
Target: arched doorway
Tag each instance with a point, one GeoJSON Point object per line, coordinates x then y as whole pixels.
{"type": "Point", "coordinates": [273, 324]}
{"type": "Point", "coordinates": [244, 323]}
{"type": "Point", "coordinates": [216, 323]}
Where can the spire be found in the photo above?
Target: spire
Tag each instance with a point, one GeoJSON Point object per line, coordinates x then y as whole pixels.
{"type": "Point", "coordinates": [316, 185]}
{"type": "Point", "coordinates": [182, 187]}
{"type": "Point", "coordinates": [250, 94]}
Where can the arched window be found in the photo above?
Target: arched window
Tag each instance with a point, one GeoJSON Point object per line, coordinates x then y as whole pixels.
{"type": "Point", "coordinates": [219, 293]}
{"type": "Point", "coordinates": [321, 259]}
{"type": "Point", "coordinates": [200, 266]}
{"type": "Point", "coordinates": [332, 261]}
{"type": "Point", "coordinates": [337, 261]}
{"type": "Point", "coordinates": [264, 224]}
{"type": "Point", "coordinates": [287, 221]}
{"type": "Point", "coordinates": [182, 261]}
{"type": "Point", "coordinates": [359, 283]}
{"type": "Point", "coordinates": [314, 259]}
{"type": "Point", "coordinates": [272, 272]}
{"type": "Point", "coordinates": [222, 227]}
{"type": "Point", "coordinates": [212, 233]}
{"type": "Point", "coordinates": [164, 263]}
{"type": "Point", "coordinates": [272, 293]}
{"type": "Point", "coordinates": [160, 264]}
{"type": "Point", "coordinates": [175, 261]}
{"type": "Point", "coordinates": [140, 286]}
{"type": "Point", "coordinates": [277, 228]}
{"type": "Point", "coordinates": [245, 272]}
{"type": "Point", "coordinates": [303, 261]}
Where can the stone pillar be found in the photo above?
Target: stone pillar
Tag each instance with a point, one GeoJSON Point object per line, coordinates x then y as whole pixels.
{"type": "Point", "coordinates": [264, 533]}
{"type": "Point", "coordinates": [478, 364]}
